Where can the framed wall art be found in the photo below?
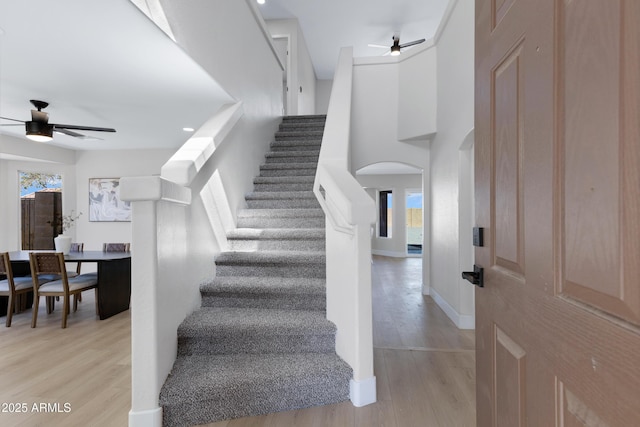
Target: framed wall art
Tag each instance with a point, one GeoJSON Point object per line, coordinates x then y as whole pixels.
{"type": "Point", "coordinates": [105, 204]}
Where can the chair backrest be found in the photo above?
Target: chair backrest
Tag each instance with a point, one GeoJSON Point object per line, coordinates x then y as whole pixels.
{"type": "Point", "coordinates": [5, 266]}
{"type": "Point", "coordinates": [48, 263]}
{"type": "Point", "coordinates": [116, 247]}
{"type": "Point", "coordinates": [77, 247]}
{"type": "Point", "coordinates": [5, 269]}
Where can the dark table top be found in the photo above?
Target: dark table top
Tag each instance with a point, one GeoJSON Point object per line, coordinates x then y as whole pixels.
{"type": "Point", "coordinates": [88, 256]}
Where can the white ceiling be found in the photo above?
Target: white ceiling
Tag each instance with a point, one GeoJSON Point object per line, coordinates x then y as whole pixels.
{"type": "Point", "coordinates": [331, 24]}
{"type": "Point", "coordinates": [103, 63]}
{"type": "Point", "coordinates": [99, 63]}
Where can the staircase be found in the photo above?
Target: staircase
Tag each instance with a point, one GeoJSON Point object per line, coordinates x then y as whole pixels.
{"type": "Point", "coordinates": [261, 342]}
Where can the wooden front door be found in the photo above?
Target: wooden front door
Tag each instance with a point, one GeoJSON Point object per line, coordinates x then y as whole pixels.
{"type": "Point", "coordinates": [558, 192]}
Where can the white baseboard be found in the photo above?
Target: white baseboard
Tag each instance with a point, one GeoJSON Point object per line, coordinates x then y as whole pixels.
{"type": "Point", "coordinates": [149, 418]}
{"type": "Point", "coordinates": [462, 321]}
{"type": "Point", "coordinates": [363, 392]}
{"type": "Point", "coordinates": [392, 254]}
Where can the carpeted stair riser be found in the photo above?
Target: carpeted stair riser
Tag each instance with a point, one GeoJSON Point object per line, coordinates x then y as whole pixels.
{"type": "Point", "coordinates": [319, 118]}
{"type": "Point", "coordinates": [232, 386]}
{"type": "Point", "coordinates": [229, 330]}
{"type": "Point", "coordinates": [281, 218]}
{"type": "Point", "coordinates": [300, 293]}
{"type": "Point", "coordinates": [269, 269]}
{"type": "Point", "coordinates": [261, 342]}
{"type": "Point", "coordinates": [249, 239]}
{"type": "Point", "coordinates": [289, 203]}
{"type": "Point", "coordinates": [288, 169]}
{"type": "Point", "coordinates": [315, 136]}
{"type": "Point", "coordinates": [285, 186]}
{"type": "Point", "coordinates": [281, 146]}
{"type": "Point", "coordinates": [292, 157]}
{"type": "Point", "coordinates": [300, 127]}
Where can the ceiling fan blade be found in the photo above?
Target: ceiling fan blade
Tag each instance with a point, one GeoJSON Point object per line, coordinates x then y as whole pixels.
{"type": "Point", "coordinates": [412, 43]}
{"type": "Point", "coordinates": [68, 132]}
{"type": "Point", "coordinates": [13, 120]}
{"type": "Point", "coordinates": [39, 116]}
{"type": "Point", "coordinates": [57, 126]}
{"type": "Point", "coordinates": [378, 46]}
{"type": "Point", "coordinates": [12, 124]}
{"type": "Point", "coordinates": [74, 134]}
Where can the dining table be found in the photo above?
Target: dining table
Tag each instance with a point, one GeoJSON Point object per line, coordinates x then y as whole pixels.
{"type": "Point", "coordinates": [114, 276]}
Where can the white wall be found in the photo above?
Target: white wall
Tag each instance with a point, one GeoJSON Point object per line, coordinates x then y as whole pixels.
{"type": "Point", "coordinates": [455, 63]}
{"type": "Point", "coordinates": [109, 164]}
{"type": "Point", "coordinates": [323, 93]}
{"type": "Point", "coordinates": [418, 91]}
{"type": "Point", "coordinates": [209, 31]}
{"type": "Point", "coordinates": [396, 245]}
{"type": "Point", "coordinates": [301, 71]}
{"type": "Point", "coordinates": [374, 121]}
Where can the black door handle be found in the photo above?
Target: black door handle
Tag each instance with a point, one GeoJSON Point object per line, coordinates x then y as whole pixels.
{"type": "Point", "coordinates": [476, 276]}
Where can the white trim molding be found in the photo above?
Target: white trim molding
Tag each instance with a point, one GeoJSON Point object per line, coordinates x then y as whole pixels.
{"type": "Point", "coordinates": [462, 321]}
{"type": "Point", "coordinates": [148, 418]}
{"type": "Point", "coordinates": [363, 392]}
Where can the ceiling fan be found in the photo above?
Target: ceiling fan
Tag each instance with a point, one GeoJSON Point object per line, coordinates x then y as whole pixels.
{"type": "Point", "coordinates": [395, 48]}
{"type": "Point", "coordinates": [39, 129]}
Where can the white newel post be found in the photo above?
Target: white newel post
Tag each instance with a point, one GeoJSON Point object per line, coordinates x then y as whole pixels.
{"type": "Point", "coordinates": [145, 410]}
{"type": "Point", "coordinates": [145, 193]}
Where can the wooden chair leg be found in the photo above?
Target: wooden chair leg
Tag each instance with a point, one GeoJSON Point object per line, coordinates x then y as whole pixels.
{"type": "Point", "coordinates": [34, 315]}
{"type": "Point", "coordinates": [9, 310]}
{"type": "Point", "coordinates": [65, 311]}
{"type": "Point", "coordinates": [76, 298]}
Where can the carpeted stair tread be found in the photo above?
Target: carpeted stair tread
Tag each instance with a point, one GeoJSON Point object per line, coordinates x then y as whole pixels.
{"type": "Point", "coordinates": [283, 179]}
{"type": "Point", "coordinates": [281, 213]}
{"type": "Point", "coordinates": [293, 145]}
{"type": "Point", "coordinates": [219, 321]}
{"type": "Point", "coordinates": [290, 165]}
{"type": "Point", "coordinates": [260, 285]}
{"type": "Point", "coordinates": [281, 218]}
{"type": "Point", "coordinates": [252, 330]}
{"type": "Point", "coordinates": [278, 195]}
{"type": "Point", "coordinates": [272, 263]}
{"type": "Point", "coordinates": [288, 154]}
{"type": "Point", "coordinates": [299, 293]}
{"type": "Point", "coordinates": [293, 258]}
{"type": "Point", "coordinates": [305, 118]}
{"type": "Point", "coordinates": [204, 389]}
{"type": "Point", "coordinates": [276, 233]}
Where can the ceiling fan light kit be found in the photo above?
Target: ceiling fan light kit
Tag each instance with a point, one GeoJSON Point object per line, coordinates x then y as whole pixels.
{"type": "Point", "coordinates": [39, 129]}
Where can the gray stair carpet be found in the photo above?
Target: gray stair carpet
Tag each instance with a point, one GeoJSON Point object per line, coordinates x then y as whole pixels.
{"type": "Point", "coordinates": [261, 342]}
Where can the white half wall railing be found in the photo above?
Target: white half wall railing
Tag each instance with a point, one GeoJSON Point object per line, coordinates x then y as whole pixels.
{"type": "Point", "coordinates": [350, 212]}
{"type": "Point", "coordinates": [168, 263]}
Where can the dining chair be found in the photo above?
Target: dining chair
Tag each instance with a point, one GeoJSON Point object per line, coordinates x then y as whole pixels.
{"type": "Point", "coordinates": [44, 263]}
{"type": "Point", "coordinates": [116, 247]}
{"type": "Point", "coordinates": [13, 287]}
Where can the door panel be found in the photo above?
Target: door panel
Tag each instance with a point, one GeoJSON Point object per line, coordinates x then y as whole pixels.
{"type": "Point", "coordinates": [593, 206]}
{"type": "Point", "coordinates": [558, 191]}
{"type": "Point", "coordinates": [507, 138]}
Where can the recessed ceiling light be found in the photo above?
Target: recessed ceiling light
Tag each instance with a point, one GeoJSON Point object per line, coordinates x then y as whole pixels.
{"type": "Point", "coordinates": [261, 1]}
{"type": "Point", "coordinates": [188, 129]}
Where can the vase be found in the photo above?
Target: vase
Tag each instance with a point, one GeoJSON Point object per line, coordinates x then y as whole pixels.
{"type": "Point", "coordinates": [63, 244]}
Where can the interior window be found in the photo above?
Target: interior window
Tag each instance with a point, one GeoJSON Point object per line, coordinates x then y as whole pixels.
{"type": "Point", "coordinates": [385, 203]}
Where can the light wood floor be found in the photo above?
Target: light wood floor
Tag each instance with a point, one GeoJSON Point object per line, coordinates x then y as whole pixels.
{"type": "Point", "coordinates": [424, 366]}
